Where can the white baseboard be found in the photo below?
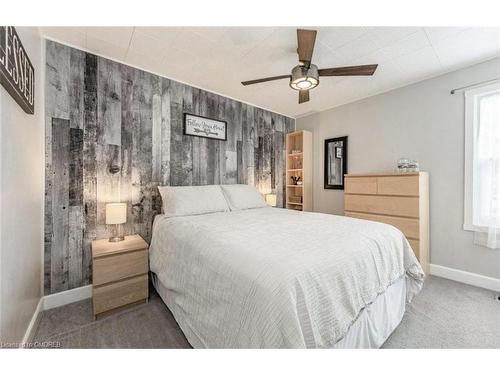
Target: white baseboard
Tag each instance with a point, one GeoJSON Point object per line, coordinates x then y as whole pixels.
{"type": "Point", "coordinates": [33, 323]}
{"type": "Point", "coordinates": [466, 277]}
{"type": "Point", "coordinates": [66, 297]}
{"type": "Point", "coordinates": [55, 300]}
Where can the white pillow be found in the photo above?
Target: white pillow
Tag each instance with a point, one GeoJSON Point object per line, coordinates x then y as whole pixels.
{"type": "Point", "coordinates": [242, 197]}
{"type": "Point", "coordinates": [192, 200]}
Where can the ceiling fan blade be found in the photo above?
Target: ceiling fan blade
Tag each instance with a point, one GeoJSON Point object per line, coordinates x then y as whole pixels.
{"type": "Point", "coordinates": [358, 70]}
{"type": "Point", "coordinates": [246, 83]}
{"type": "Point", "coordinates": [303, 96]}
{"type": "Point", "coordinates": [305, 42]}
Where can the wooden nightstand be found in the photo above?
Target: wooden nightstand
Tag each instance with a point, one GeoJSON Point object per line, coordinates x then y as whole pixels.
{"type": "Point", "coordinates": [120, 274]}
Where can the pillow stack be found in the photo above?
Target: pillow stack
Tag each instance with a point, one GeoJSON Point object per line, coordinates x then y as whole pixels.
{"type": "Point", "coordinates": [198, 200]}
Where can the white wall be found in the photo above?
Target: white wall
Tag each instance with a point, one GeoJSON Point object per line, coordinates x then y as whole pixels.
{"type": "Point", "coordinates": [21, 202]}
{"type": "Point", "coordinates": [423, 122]}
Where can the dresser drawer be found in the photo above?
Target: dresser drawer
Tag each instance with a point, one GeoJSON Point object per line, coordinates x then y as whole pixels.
{"type": "Point", "coordinates": [116, 267]}
{"type": "Point", "coordinates": [415, 245]}
{"type": "Point", "coordinates": [374, 204]}
{"type": "Point", "coordinates": [111, 296]}
{"type": "Point", "coordinates": [398, 185]}
{"type": "Point", "coordinates": [409, 227]}
{"type": "Point", "coordinates": [360, 185]}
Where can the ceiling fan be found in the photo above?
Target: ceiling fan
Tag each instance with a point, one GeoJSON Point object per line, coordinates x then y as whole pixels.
{"type": "Point", "coordinates": [305, 76]}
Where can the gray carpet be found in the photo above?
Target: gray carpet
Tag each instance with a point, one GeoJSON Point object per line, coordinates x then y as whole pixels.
{"type": "Point", "coordinates": [446, 314]}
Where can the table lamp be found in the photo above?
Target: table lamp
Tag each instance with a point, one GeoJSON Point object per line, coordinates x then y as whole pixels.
{"type": "Point", "coordinates": [271, 199]}
{"type": "Point", "coordinates": [116, 214]}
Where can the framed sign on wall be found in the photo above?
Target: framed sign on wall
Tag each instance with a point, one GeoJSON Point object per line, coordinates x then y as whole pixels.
{"type": "Point", "coordinates": [205, 127]}
{"type": "Point", "coordinates": [17, 74]}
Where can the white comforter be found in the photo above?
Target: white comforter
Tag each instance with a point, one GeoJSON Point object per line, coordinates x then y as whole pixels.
{"type": "Point", "coordinates": [275, 278]}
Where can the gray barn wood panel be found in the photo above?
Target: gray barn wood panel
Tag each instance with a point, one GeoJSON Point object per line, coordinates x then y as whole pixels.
{"type": "Point", "coordinates": [177, 173]}
{"type": "Point", "coordinates": [187, 141]}
{"type": "Point", "coordinates": [76, 88]}
{"type": "Point", "coordinates": [275, 157]}
{"type": "Point", "coordinates": [156, 131]}
{"type": "Point", "coordinates": [108, 157]}
{"type": "Point", "coordinates": [154, 199]}
{"type": "Point", "coordinates": [258, 155]}
{"type": "Point", "coordinates": [75, 246]}
{"type": "Point", "coordinates": [76, 167]}
{"type": "Point", "coordinates": [248, 136]}
{"type": "Point", "coordinates": [114, 133]}
{"type": "Point", "coordinates": [109, 104]}
{"type": "Point", "coordinates": [289, 124]}
{"type": "Point", "coordinates": [267, 134]}
{"type": "Point", "coordinates": [231, 168]}
{"type": "Point", "coordinates": [234, 135]}
{"type": "Point", "coordinates": [48, 231]}
{"type": "Point", "coordinates": [280, 155]}
{"type": "Point", "coordinates": [210, 147]}
{"type": "Point", "coordinates": [165, 133]}
{"type": "Point", "coordinates": [239, 163]}
{"type": "Point", "coordinates": [134, 180]}
{"type": "Point", "coordinates": [233, 113]}
{"type": "Point", "coordinates": [127, 126]}
{"type": "Point", "coordinates": [198, 144]}
{"type": "Point", "coordinates": [60, 205]}
{"type": "Point", "coordinates": [57, 73]}
{"type": "Point", "coordinates": [145, 85]}
{"type": "Point", "coordinates": [259, 148]}
{"type": "Point", "coordinates": [89, 164]}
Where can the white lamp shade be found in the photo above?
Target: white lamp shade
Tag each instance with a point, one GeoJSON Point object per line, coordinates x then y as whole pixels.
{"type": "Point", "coordinates": [116, 213]}
{"type": "Point", "coordinates": [271, 199]}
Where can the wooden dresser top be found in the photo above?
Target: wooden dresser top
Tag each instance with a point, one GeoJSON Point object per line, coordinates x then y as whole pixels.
{"type": "Point", "coordinates": [383, 174]}
{"type": "Point", "coordinates": [130, 243]}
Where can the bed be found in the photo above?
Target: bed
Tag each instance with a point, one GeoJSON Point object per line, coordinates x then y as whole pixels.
{"type": "Point", "coordinates": [263, 277]}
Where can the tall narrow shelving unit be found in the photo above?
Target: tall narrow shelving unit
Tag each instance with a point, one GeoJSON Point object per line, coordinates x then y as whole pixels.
{"type": "Point", "coordinates": [299, 165]}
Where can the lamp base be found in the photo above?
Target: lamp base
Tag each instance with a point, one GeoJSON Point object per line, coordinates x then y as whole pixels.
{"type": "Point", "coordinates": [116, 238]}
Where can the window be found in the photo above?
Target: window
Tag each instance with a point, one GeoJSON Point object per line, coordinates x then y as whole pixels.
{"type": "Point", "coordinates": [482, 159]}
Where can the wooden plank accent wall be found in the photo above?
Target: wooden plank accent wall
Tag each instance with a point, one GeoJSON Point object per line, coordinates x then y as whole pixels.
{"type": "Point", "coordinates": [114, 133]}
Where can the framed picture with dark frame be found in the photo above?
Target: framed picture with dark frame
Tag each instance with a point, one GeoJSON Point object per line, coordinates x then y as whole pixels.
{"type": "Point", "coordinates": [205, 127]}
{"type": "Point", "coordinates": [335, 162]}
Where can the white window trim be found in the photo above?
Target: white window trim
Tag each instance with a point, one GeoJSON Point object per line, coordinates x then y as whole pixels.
{"type": "Point", "coordinates": [471, 119]}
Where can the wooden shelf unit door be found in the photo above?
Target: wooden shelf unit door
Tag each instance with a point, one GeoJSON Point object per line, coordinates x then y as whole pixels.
{"type": "Point", "coordinates": [299, 164]}
{"type": "Point", "coordinates": [401, 200]}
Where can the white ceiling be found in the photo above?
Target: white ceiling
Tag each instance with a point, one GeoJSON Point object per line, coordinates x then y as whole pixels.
{"type": "Point", "coordinates": [219, 58]}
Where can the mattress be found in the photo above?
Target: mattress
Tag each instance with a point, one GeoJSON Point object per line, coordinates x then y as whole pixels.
{"type": "Point", "coordinates": [274, 278]}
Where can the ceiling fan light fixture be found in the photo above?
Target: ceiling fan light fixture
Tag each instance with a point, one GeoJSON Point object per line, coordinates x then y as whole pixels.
{"type": "Point", "coordinates": [304, 78]}
{"type": "Point", "coordinates": [305, 84]}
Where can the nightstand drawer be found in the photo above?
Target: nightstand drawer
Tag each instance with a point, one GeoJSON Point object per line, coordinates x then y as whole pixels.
{"type": "Point", "coordinates": [116, 267]}
{"type": "Point", "coordinates": [121, 293]}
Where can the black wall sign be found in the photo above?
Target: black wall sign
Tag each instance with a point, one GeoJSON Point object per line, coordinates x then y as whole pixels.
{"type": "Point", "coordinates": [17, 74]}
